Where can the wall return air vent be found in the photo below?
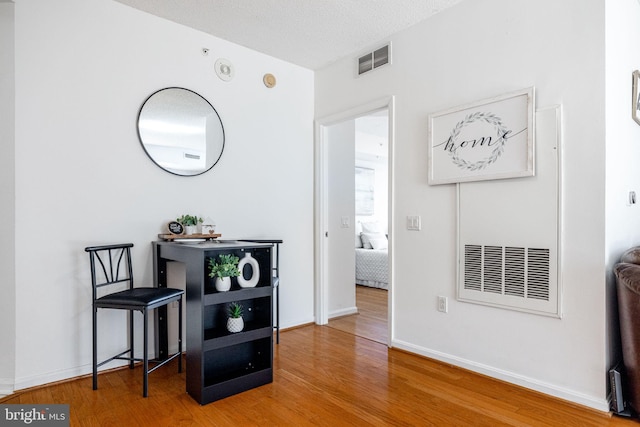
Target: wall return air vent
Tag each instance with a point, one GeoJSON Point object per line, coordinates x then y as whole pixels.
{"type": "Point", "coordinates": [519, 272]}
{"type": "Point", "coordinates": [515, 277]}
{"type": "Point", "coordinates": [375, 59]}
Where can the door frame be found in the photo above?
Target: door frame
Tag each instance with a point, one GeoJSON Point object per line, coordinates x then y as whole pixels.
{"type": "Point", "coordinates": [321, 204]}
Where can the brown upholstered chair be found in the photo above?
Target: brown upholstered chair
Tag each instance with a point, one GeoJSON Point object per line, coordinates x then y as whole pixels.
{"type": "Point", "coordinates": [627, 274]}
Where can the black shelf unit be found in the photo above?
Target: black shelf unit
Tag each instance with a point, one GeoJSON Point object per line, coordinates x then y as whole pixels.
{"type": "Point", "coordinates": [221, 363]}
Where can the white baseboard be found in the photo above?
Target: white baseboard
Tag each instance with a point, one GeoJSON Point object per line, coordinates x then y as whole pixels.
{"type": "Point", "coordinates": [510, 377]}
{"type": "Point", "coordinates": [51, 377]}
{"type": "Point", "coordinates": [6, 386]}
{"type": "Point", "coordinates": [343, 312]}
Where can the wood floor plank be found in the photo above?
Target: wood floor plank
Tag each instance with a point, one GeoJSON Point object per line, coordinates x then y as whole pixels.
{"type": "Point", "coordinates": [371, 320]}
{"type": "Point", "coordinates": [322, 377]}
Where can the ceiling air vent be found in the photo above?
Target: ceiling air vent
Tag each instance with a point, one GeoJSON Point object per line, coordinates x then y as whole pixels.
{"type": "Point", "coordinates": [375, 59]}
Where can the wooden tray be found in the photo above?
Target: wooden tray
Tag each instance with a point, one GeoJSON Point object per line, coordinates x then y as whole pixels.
{"type": "Point", "coordinates": [189, 236]}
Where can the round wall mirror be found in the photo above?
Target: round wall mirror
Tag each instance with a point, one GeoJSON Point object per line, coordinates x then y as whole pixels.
{"type": "Point", "coordinates": [181, 131]}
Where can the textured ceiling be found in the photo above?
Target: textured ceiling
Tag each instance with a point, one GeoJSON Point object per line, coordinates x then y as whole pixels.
{"type": "Point", "coordinates": [310, 33]}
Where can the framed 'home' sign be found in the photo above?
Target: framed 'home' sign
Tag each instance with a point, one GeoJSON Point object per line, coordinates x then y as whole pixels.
{"type": "Point", "coordinates": [489, 139]}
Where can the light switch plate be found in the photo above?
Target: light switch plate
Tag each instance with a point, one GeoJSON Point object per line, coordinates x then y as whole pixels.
{"type": "Point", "coordinates": [414, 222]}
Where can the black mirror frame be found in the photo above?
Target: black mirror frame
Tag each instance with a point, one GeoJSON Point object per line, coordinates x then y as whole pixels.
{"type": "Point", "coordinates": [147, 152]}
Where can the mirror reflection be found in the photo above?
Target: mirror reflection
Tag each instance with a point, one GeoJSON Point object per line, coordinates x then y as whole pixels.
{"type": "Point", "coordinates": [181, 131]}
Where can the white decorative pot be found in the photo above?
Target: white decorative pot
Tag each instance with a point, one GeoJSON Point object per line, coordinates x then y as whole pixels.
{"type": "Point", "coordinates": [252, 281]}
{"type": "Point", "coordinates": [235, 324]}
{"type": "Point", "coordinates": [190, 229]}
{"type": "Point", "coordinates": [223, 284]}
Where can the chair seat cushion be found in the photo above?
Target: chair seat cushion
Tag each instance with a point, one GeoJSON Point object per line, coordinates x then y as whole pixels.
{"type": "Point", "coordinates": [139, 297]}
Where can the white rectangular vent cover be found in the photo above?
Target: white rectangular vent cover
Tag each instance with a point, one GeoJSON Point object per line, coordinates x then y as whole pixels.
{"type": "Point", "coordinates": [375, 59]}
{"type": "Point", "coordinates": [512, 271]}
{"type": "Point", "coordinates": [509, 232]}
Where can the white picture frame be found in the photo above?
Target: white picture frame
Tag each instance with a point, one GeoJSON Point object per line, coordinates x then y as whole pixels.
{"type": "Point", "coordinates": [635, 97]}
{"type": "Point", "coordinates": [484, 140]}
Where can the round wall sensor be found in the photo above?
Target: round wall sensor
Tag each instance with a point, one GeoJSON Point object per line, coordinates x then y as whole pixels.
{"type": "Point", "coordinates": [224, 69]}
{"type": "Point", "coordinates": [269, 80]}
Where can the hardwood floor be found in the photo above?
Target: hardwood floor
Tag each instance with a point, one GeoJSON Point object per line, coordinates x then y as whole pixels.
{"type": "Point", "coordinates": [322, 377]}
{"type": "Point", "coordinates": [371, 320]}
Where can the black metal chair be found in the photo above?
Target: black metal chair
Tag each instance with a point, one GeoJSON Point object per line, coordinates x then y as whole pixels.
{"type": "Point", "coordinates": [110, 266]}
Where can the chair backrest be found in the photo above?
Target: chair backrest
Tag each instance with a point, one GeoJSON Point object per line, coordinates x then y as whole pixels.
{"type": "Point", "coordinates": [276, 253]}
{"type": "Point", "coordinates": [110, 265]}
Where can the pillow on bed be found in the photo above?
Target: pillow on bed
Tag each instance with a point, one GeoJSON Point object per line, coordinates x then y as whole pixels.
{"type": "Point", "coordinates": [379, 243]}
{"type": "Point", "coordinates": [358, 241]}
{"type": "Point", "coordinates": [368, 237]}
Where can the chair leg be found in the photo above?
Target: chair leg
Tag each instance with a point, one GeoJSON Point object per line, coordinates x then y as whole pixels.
{"type": "Point", "coordinates": [131, 340]}
{"type": "Point", "coordinates": [278, 314]}
{"type": "Point", "coordinates": [180, 335]}
{"type": "Point", "coordinates": [95, 349]}
{"type": "Point", "coordinates": [145, 356]}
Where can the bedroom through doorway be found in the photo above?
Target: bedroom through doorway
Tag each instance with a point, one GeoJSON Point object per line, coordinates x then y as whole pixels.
{"type": "Point", "coordinates": [370, 228]}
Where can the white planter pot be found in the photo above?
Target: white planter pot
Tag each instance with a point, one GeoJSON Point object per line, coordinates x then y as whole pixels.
{"type": "Point", "coordinates": [223, 284]}
{"type": "Point", "coordinates": [190, 229]}
{"type": "Point", "coordinates": [235, 325]}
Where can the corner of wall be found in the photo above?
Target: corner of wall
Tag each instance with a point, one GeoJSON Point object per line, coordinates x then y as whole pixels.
{"type": "Point", "coordinates": [7, 197]}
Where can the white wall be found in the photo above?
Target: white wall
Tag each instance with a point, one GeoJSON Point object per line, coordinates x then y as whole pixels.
{"type": "Point", "coordinates": [623, 146]}
{"type": "Point", "coordinates": [83, 68]}
{"type": "Point", "coordinates": [7, 206]}
{"type": "Point", "coordinates": [473, 51]}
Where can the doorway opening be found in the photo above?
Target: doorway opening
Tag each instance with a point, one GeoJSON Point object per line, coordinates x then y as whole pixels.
{"type": "Point", "coordinates": [354, 221]}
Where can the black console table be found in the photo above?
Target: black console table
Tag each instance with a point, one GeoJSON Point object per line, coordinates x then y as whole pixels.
{"type": "Point", "coordinates": [220, 363]}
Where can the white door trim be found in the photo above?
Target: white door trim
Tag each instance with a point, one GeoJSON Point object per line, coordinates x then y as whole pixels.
{"type": "Point", "coordinates": [321, 212]}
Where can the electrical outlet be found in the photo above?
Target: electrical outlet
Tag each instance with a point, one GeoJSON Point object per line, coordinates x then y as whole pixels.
{"type": "Point", "coordinates": [443, 304]}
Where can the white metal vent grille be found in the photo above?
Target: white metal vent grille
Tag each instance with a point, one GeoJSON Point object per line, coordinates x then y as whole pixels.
{"type": "Point", "coordinates": [514, 271]}
{"type": "Point", "coordinates": [507, 271]}
{"type": "Point", "coordinates": [473, 267]}
{"type": "Point", "coordinates": [538, 274]}
{"type": "Point", "coordinates": [375, 59]}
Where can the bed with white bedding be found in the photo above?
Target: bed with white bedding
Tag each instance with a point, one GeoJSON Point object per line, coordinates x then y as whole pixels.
{"type": "Point", "coordinates": [372, 268]}
{"type": "Point", "coordinates": [372, 256]}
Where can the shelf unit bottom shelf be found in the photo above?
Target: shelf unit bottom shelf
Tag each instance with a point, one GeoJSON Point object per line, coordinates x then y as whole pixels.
{"type": "Point", "coordinates": [218, 391]}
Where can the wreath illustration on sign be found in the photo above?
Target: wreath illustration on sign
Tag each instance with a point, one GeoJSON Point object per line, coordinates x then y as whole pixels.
{"type": "Point", "coordinates": [489, 118]}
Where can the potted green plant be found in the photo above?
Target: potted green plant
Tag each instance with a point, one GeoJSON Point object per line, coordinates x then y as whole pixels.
{"type": "Point", "coordinates": [190, 223]}
{"type": "Point", "coordinates": [223, 269]}
{"type": "Point", "coordinates": [235, 322]}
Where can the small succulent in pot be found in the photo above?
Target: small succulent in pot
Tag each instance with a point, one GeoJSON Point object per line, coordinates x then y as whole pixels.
{"type": "Point", "coordinates": [235, 322]}
{"type": "Point", "coordinates": [189, 220]}
{"type": "Point", "coordinates": [226, 265]}
{"type": "Point", "coordinates": [235, 310]}
{"type": "Point", "coordinates": [223, 269]}
{"type": "Point", "coordinates": [190, 223]}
